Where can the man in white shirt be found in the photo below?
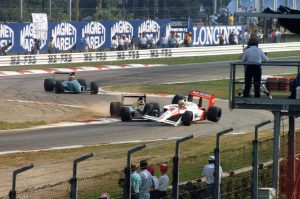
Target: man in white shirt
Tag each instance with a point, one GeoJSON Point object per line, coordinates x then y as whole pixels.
{"type": "Point", "coordinates": [209, 174]}
{"type": "Point", "coordinates": [146, 181]}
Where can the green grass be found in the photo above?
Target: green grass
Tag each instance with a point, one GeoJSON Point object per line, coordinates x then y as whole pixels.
{"type": "Point", "coordinates": [219, 88]}
{"type": "Point", "coordinates": [167, 61]}
{"type": "Point", "coordinates": [20, 125]}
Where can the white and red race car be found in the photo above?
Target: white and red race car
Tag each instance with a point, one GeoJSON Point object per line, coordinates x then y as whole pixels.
{"type": "Point", "coordinates": [184, 111]}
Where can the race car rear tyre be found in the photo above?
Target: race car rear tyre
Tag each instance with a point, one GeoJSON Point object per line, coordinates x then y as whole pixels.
{"type": "Point", "coordinates": [115, 109]}
{"type": "Point", "coordinates": [148, 109]}
{"type": "Point", "coordinates": [82, 83]}
{"type": "Point", "coordinates": [187, 118]}
{"type": "Point", "coordinates": [125, 114]}
{"type": "Point", "coordinates": [94, 88]}
{"type": "Point", "coordinates": [49, 85]}
{"type": "Point", "coordinates": [214, 114]}
{"type": "Point", "coordinates": [155, 109]}
{"type": "Point", "coordinates": [59, 88]}
{"type": "Point", "coordinates": [176, 98]}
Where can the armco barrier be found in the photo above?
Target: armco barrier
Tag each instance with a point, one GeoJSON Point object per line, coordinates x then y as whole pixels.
{"type": "Point", "coordinates": [63, 58]}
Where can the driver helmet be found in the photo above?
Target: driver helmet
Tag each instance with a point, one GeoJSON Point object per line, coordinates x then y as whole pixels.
{"type": "Point", "coordinates": [72, 76]}
{"type": "Point", "coordinates": [181, 103]}
{"type": "Point", "coordinates": [141, 101]}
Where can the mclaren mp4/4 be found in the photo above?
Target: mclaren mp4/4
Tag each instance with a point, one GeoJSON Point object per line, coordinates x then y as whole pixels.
{"type": "Point", "coordinates": [184, 110]}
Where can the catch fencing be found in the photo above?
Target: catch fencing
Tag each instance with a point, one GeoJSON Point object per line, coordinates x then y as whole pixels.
{"type": "Point", "coordinates": [102, 172]}
{"type": "Point", "coordinates": [103, 56]}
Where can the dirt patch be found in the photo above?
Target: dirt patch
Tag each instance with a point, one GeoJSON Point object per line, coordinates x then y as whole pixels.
{"type": "Point", "coordinates": [26, 111]}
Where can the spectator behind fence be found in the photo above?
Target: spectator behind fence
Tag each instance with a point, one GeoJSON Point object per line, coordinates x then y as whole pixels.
{"type": "Point", "coordinates": [114, 43]}
{"type": "Point", "coordinates": [37, 46]}
{"type": "Point", "coordinates": [172, 40]}
{"type": "Point", "coordinates": [154, 188]}
{"type": "Point", "coordinates": [51, 46]}
{"type": "Point", "coordinates": [209, 174]}
{"type": "Point", "coordinates": [163, 181]}
{"type": "Point", "coordinates": [252, 57]}
{"type": "Point", "coordinates": [126, 42]}
{"type": "Point", "coordinates": [146, 181]}
{"type": "Point", "coordinates": [135, 182]}
{"type": "Point", "coordinates": [221, 38]}
{"type": "Point", "coordinates": [133, 43]}
{"type": "Point", "coordinates": [144, 41]}
{"type": "Point", "coordinates": [163, 41]}
{"type": "Point", "coordinates": [85, 43]}
{"type": "Point", "coordinates": [121, 42]}
{"type": "Point", "coordinates": [187, 42]}
{"type": "Point", "coordinates": [153, 41]}
{"type": "Point", "coordinates": [4, 48]}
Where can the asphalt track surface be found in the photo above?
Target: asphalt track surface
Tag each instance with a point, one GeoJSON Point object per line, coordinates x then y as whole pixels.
{"type": "Point", "coordinates": [30, 87]}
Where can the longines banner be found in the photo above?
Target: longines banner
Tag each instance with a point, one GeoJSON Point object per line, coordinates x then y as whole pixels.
{"type": "Point", "coordinates": [68, 36]}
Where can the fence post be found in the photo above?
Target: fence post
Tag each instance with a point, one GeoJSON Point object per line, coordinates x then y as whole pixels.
{"type": "Point", "coordinates": [217, 163]}
{"type": "Point", "coordinates": [255, 160]}
{"type": "Point", "coordinates": [73, 180]}
{"type": "Point", "coordinates": [175, 172]}
{"type": "Point", "coordinates": [13, 193]}
{"type": "Point", "coordinates": [276, 151]}
{"type": "Point", "coordinates": [127, 183]}
{"type": "Point", "coordinates": [291, 157]}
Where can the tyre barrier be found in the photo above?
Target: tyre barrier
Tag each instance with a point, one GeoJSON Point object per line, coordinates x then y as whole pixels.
{"type": "Point", "coordinates": [279, 83]}
{"type": "Point", "coordinates": [272, 84]}
{"type": "Point", "coordinates": [284, 84]}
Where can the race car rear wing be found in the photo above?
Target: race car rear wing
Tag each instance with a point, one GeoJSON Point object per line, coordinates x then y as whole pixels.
{"type": "Point", "coordinates": [200, 95]}
{"type": "Point", "coordinates": [156, 119]}
{"type": "Point", "coordinates": [131, 95]}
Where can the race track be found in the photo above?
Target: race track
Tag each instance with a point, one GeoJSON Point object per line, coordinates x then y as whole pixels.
{"type": "Point", "coordinates": [30, 87]}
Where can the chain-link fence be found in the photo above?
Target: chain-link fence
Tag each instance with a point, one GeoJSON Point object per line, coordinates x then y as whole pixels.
{"type": "Point", "coordinates": [103, 172]}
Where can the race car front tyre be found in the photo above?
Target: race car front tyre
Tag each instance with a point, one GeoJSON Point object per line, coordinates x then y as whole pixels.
{"type": "Point", "coordinates": [59, 88]}
{"type": "Point", "coordinates": [214, 114]}
{"type": "Point", "coordinates": [155, 109]}
{"type": "Point", "coordinates": [115, 109]}
{"type": "Point", "coordinates": [94, 88]}
{"type": "Point", "coordinates": [148, 109]}
{"type": "Point", "coordinates": [49, 85]}
{"type": "Point", "coordinates": [176, 98]}
{"type": "Point", "coordinates": [125, 114]}
{"type": "Point", "coordinates": [187, 118]}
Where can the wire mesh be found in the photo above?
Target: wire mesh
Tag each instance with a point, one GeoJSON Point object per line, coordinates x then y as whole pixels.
{"type": "Point", "coordinates": [102, 172]}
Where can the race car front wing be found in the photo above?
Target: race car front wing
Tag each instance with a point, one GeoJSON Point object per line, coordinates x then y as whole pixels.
{"type": "Point", "coordinates": [157, 119]}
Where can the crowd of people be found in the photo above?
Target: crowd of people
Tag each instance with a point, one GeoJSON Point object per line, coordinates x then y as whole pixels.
{"type": "Point", "coordinates": [149, 41]}
{"type": "Point", "coordinates": [145, 184]}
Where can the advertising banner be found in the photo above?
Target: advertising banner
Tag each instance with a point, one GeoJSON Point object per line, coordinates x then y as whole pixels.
{"type": "Point", "coordinates": [68, 36]}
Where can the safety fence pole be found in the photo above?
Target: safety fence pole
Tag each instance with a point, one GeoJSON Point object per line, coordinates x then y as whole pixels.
{"type": "Point", "coordinates": [255, 159]}
{"type": "Point", "coordinates": [175, 172]}
{"type": "Point", "coordinates": [73, 180]}
{"type": "Point", "coordinates": [127, 171]}
{"type": "Point", "coordinates": [217, 163]}
{"type": "Point", "coordinates": [13, 193]}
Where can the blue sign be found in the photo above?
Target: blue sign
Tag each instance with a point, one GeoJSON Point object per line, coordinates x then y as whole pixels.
{"type": "Point", "coordinates": [67, 36]}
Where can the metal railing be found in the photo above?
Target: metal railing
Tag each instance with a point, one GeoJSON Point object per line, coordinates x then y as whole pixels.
{"type": "Point", "coordinates": [64, 58]}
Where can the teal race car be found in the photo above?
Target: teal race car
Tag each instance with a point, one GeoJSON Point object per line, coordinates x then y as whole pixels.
{"type": "Point", "coordinates": [69, 85]}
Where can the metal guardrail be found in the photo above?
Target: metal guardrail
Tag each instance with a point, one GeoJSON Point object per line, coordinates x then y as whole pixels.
{"type": "Point", "coordinates": [64, 58]}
